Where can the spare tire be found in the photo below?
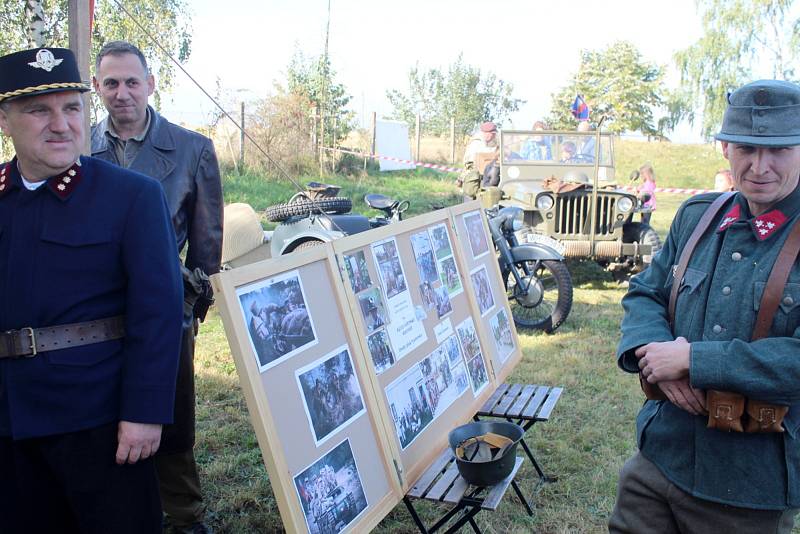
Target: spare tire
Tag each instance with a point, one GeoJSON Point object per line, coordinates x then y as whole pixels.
{"type": "Point", "coordinates": [303, 208]}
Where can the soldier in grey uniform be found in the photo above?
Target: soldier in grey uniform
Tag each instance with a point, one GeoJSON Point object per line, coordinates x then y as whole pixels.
{"type": "Point", "coordinates": [471, 177]}
{"type": "Point", "coordinates": [690, 476]}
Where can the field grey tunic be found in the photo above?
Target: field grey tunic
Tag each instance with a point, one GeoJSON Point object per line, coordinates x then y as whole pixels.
{"type": "Point", "coordinates": [716, 310]}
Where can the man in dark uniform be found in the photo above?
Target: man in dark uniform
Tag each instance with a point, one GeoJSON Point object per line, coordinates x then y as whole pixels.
{"type": "Point", "coordinates": [714, 455]}
{"type": "Point", "coordinates": [134, 136]}
{"type": "Point", "coordinates": [90, 315]}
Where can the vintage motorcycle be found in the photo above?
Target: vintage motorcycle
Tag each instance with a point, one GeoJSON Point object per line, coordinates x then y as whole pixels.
{"type": "Point", "coordinates": [537, 282]}
{"type": "Point", "coordinates": [536, 279]}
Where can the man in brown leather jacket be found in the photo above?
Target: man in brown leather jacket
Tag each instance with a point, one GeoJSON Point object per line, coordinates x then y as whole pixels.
{"type": "Point", "coordinates": [134, 136]}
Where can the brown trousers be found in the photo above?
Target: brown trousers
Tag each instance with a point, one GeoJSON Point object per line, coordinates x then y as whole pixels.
{"type": "Point", "coordinates": [648, 502]}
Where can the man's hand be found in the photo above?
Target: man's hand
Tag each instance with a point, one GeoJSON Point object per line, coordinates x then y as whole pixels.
{"type": "Point", "coordinates": [137, 441]}
{"type": "Point", "coordinates": [684, 396]}
{"type": "Point", "coordinates": [668, 360]}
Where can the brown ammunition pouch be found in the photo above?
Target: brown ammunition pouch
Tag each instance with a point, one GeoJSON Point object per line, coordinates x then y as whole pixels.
{"type": "Point", "coordinates": [732, 412]}
{"type": "Point", "coordinates": [728, 411]}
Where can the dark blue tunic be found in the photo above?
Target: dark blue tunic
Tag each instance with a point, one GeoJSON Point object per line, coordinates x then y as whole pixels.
{"type": "Point", "coordinates": [92, 243]}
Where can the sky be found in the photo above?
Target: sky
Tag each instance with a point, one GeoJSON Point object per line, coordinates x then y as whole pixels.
{"type": "Point", "coordinates": [533, 45]}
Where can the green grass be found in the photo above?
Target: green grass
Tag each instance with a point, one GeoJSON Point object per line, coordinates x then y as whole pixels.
{"type": "Point", "coordinates": [586, 441]}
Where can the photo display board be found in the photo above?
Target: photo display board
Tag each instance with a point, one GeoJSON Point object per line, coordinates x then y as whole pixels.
{"type": "Point", "coordinates": [414, 310]}
{"type": "Point", "coordinates": [358, 357]}
{"type": "Point", "coordinates": [308, 392]}
{"type": "Point", "coordinates": [496, 327]}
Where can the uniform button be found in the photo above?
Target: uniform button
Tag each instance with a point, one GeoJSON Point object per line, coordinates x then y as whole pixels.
{"type": "Point", "coordinates": [726, 290]}
{"type": "Point", "coordinates": [760, 112]}
{"type": "Point", "coordinates": [788, 301]}
{"type": "Point", "coordinates": [717, 329]}
{"type": "Point", "coordinates": [762, 129]}
{"type": "Point", "coordinates": [736, 256]}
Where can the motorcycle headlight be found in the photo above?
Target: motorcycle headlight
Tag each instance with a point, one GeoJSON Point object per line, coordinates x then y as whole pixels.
{"type": "Point", "coordinates": [544, 202]}
{"type": "Point", "coordinates": [513, 218]}
{"type": "Point", "coordinates": [625, 204]}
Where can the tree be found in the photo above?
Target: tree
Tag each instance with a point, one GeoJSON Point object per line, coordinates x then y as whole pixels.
{"type": "Point", "coordinates": [741, 39]}
{"type": "Point", "coordinates": [167, 20]}
{"type": "Point", "coordinates": [617, 83]}
{"type": "Point", "coordinates": [462, 92]}
{"type": "Point", "coordinates": [313, 80]}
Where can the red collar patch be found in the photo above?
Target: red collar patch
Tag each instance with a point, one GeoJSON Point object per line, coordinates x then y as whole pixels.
{"type": "Point", "coordinates": [64, 184]}
{"type": "Point", "coordinates": [767, 224]}
{"type": "Point", "coordinates": [731, 217]}
{"type": "Point", "coordinates": [5, 178]}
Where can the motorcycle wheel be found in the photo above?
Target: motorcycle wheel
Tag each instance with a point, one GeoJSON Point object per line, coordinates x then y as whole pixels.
{"type": "Point", "coordinates": [549, 299]}
{"type": "Point", "coordinates": [304, 208]}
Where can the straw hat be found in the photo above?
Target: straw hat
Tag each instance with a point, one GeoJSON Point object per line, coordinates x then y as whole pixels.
{"type": "Point", "coordinates": [243, 239]}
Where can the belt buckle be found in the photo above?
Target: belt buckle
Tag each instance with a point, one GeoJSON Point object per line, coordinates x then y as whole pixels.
{"type": "Point", "coordinates": [29, 330]}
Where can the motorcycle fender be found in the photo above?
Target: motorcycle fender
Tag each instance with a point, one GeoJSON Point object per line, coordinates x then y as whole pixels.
{"type": "Point", "coordinates": [313, 234]}
{"type": "Point", "coordinates": [535, 251]}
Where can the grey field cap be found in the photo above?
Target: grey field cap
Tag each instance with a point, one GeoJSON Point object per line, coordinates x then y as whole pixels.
{"type": "Point", "coordinates": [763, 113]}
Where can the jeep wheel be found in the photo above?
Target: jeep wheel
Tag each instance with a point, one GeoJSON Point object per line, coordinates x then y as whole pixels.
{"type": "Point", "coordinates": [644, 235]}
{"type": "Point", "coordinates": [545, 300]}
{"type": "Point", "coordinates": [303, 208]}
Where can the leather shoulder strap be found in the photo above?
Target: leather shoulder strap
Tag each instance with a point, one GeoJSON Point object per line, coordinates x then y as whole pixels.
{"type": "Point", "coordinates": [773, 291]}
{"type": "Point", "coordinates": [688, 249]}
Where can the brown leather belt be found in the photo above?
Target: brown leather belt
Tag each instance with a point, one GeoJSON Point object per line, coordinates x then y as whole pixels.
{"type": "Point", "coordinates": [27, 342]}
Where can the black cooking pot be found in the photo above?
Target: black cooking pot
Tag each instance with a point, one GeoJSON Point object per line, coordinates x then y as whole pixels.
{"type": "Point", "coordinates": [482, 470]}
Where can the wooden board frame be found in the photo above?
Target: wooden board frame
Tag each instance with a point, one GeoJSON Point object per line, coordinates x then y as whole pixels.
{"type": "Point", "coordinates": [274, 440]}
{"type": "Point", "coordinates": [501, 368]}
{"type": "Point", "coordinates": [322, 270]}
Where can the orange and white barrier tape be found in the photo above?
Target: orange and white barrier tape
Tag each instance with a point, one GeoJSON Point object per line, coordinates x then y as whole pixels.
{"type": "Point", "coordinates": [671, 190]}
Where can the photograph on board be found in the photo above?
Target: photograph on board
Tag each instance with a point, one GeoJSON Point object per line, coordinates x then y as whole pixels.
{"type": "Point", "coordinates": [443, 304]}
{"type": "Point", "coordinates": [483, 291]}
{"type": "Point", "coordinates": [441, 241]}
{"type": "Point", "coordinates": [373, 309]}
{"type": "Point", "coordinates": [449, 275]}
{"type": "Point", "coordinates": [330, 491]}
{"type": "Point", "coordinates": [468, 338]}
{"type": "Point", "coordinates": [331, 393]}
{"type": "Point", "coordinates": [409, 405]}
{"type": "Point", "coordinates": [501, 331]}
{"type": "Point", "coordinates": [423, 256]}
{"type": "Point", "coordinates": [453, 351]}
{"type": "Point", "coordinates": [427, 295]}
{"type": "Point", "coordinates": [443, 383]}
{"type": "Point", "coordinates": [390, 268]}
{"type": "Point", "coordinates": [357, 271]}
{"type": "Point", "coordinates": [278, 321]}
{"type": "Point", "coordinates": [477, 373]}
{"type": "Point", "coordinates": [476, 234]}
{"type": "Point", "coordinates": [381, 351]}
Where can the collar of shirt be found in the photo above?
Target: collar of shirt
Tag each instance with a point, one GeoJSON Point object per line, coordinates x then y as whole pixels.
{"type": "Point", "coordinates": [61, 185]}
{"type": "Point", "coordinates": [768, 223]}
{"type": "Point", "coordinates": [111, 132]}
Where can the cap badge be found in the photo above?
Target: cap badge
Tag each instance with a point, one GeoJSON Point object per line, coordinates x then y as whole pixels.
{"type": "Point", "coordinates": [761, 98]}
{"type": "Point", "coordinates": [45, 60]}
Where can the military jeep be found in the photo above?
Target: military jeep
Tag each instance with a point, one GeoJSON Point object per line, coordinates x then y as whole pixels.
{"type": "Point", "coordinates": [566, 184]}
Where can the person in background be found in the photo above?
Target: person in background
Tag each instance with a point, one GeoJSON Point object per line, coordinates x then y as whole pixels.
{"type": "Point", "coordinates": [471, 177]}
{"type": "Point", "coordinates": [723, 181]}
{"type": "Point", "coordinates": [537, 148]}
{"type": "Point", "coordinates": [586, 151]}
{"type": "Point", "coordinates": [646, 191]}
{"type": "Point", "coordinates": [135, 137]}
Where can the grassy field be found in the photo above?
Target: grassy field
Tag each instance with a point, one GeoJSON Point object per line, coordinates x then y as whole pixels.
{"type": "Point", "coordinates": [586, 442]}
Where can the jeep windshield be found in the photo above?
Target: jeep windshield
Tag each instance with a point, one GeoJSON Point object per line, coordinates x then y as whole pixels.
{"type": "Point", "coordinates": [541, 154]}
